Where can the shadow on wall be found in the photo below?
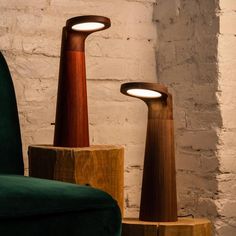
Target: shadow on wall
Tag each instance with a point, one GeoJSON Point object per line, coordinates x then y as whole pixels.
{"type": "Point", "coordinates": [187, 64]}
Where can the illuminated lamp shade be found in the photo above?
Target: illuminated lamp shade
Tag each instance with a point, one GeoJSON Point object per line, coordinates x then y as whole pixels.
{"type": "Point", "coordinates": [158, 195]}
{"type": "Point", "coordinates": [144, 93]}
{"type": "Point", "coordinates": [71, 125]}
{"type": "Point", "coordinates": [88, 26]}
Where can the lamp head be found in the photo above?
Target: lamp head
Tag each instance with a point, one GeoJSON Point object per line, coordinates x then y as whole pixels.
{"type": "Point", "coordinates": [156, 96]}
{"type": "Point", "coordinates": [144, 91]}
{"type": "Point", "coordinates": [88, 24]}
{"type": "Point", "coordinates": [78, 28]}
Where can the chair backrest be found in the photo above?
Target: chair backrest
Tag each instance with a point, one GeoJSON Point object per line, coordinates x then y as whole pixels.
{"type": "Point", "coordinates": [11, 160]}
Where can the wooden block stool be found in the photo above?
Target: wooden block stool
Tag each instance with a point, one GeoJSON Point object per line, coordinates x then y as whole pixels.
{"type": "Point", "coordinates": [100, 166]}
{"type": "Point", "coordinates": [183, 227]}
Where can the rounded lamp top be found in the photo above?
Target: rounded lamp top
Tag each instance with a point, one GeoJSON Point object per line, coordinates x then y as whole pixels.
{"type": "Point", "coordinates": [90, 23]}
{"type": "Point", "coordinates": [144, 90]}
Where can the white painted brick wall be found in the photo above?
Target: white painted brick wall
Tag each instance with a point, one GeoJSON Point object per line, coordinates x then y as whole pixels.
{"type": "Point", "coordinates": [187, 62]}
{"type": "Point", "coordinates": [196, 57]}
{"type": "Point", "coordinates": [226, 223]}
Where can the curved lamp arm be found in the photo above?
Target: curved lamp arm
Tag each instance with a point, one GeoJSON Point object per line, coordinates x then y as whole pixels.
{"type": "Point", "coordinates": [156, 96]}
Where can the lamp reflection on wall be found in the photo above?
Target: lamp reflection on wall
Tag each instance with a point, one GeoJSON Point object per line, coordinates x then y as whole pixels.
{"type": "Point", "coordinates": [71, 125]}
{"type": "Point", "coordinates": [158, 196]}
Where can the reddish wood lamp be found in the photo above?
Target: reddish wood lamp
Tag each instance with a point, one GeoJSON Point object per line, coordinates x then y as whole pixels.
{"type": "Point", "coordinates": [158, 196]}
{"type": "Point", "coordinates": [71, 126]}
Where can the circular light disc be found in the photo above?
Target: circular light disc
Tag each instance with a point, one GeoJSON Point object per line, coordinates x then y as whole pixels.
{"type": "Point", "coordinates": [87, 26]}
{"type": "Point", "coordinates": [144, 93]}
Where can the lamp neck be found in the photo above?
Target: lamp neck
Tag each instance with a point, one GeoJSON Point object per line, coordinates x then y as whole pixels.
{"type": "Point", "coordinates": [160, 108]}
{"type": "Point", "coordinates": [74, 41]}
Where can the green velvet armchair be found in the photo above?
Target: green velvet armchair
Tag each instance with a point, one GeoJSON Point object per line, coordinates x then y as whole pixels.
{"type": "Point", "coordinates": [31, 206]}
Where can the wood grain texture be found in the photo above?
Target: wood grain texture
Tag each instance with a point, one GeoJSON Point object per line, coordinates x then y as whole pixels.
{"type": "Point", "coordinates": [183, 227]}
{"type": "Point", "coordinates": [71, 125]}
{"type": "Point", "coordinates": [158, 197]}
{"type": "Point", "coordinates": [100, 166]}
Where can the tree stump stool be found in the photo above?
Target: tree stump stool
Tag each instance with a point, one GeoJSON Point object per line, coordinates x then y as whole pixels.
{"type": "Point", "coordinates": [101, 166]}
{"type": "Point", "coordinates": [183, 227]}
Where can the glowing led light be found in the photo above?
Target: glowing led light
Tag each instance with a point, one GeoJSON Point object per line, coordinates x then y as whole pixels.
{"type": "Point", "coordinates": [87, 26]}
{"type": "Point", "coordinates": [145, 93]}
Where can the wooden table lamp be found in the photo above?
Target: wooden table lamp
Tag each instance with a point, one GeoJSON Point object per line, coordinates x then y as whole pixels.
{"type": "Point", "coordinates": [158, 197]}
{"type": "Point", "coordinates": [71, 125]}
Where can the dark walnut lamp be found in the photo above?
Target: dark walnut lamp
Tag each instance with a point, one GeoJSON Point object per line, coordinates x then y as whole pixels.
{"type": "Point", "coordinates": [158, 196]}
{"type": "Point", "coordinates": [71, 125]}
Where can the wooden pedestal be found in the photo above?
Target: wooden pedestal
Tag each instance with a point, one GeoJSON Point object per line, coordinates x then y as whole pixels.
{"type": "Point", "coordinates": [183, 227]}
{"type": "Point", "coordinates": [100, 166]}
